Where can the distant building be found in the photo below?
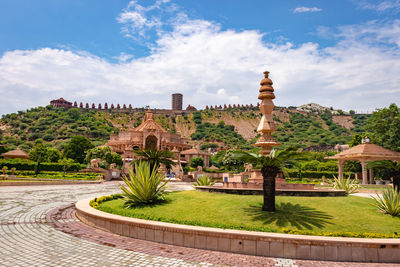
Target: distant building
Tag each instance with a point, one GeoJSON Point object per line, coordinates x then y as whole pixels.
{"type": "Point", "coordinates": [177, 101]}
{"type": "Point", "coordinates": [61, 103]}
{"type": "Point", "coordinates": [190, 108]}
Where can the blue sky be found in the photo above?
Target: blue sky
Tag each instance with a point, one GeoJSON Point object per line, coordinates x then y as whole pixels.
{"type": "Point", "coordinates": [336, 53]}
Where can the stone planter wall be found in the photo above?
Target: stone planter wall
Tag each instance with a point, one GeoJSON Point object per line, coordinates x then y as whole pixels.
{"type": "Point", "coordinates": [251, 243]}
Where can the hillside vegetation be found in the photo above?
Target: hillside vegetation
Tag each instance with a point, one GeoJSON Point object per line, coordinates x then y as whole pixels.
{"type": "Point", "coordinates": [231, 128]}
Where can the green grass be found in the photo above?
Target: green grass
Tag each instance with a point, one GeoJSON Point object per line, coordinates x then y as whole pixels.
{"type": "Point", "coordinates": [304, 215]}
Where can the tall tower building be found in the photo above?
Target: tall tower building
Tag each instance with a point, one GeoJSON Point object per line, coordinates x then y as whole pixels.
{"type": "Point", "coordinates": [177, 101]}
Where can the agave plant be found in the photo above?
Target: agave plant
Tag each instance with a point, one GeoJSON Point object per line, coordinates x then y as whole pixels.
{"type": "Point", "coordinates": [203, 180]}
{"type": "Point", "coordinates": [345, 184]}
{"type": "Point", "coordinates": [389, 202]}
{"type": "Point", "coordinates": [144, 185]}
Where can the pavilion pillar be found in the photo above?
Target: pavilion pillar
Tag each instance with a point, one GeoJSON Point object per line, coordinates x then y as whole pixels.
{"type": "Point", "coordinates": [371, 176]}
{"type": "Point", "coordinates": [364, 172]}
{"type": "Point", "coordinates": [340, 169]}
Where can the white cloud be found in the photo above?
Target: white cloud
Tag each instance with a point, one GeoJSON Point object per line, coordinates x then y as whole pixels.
{"type": "Point", "coordinates": [382, 6]}
{"type": "Point", "coordinates": [302, 9]}
{"type": "Point", "coordinates": [213, 66]}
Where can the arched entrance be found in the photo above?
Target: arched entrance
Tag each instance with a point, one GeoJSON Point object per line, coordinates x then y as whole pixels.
{"type": "Point", "coordinates": [151, 142]}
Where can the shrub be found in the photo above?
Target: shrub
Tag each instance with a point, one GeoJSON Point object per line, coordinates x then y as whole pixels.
{"type": "Point", "coordinates": [389, 203]}
{"type": "Point", "coordinates": [196, 161]}
{"type": "Point", "coordinates": [345, 184]}
{"type": "Point", "coordinates": [28, 165]}
{"type": "Point", "coordinates": [97, 201]}
{"type": "Point", "coordinates": [203, 180]}
{"type": "Point", "coordinates": [314, 174]}
{"type": "Point", "coordinates": [144, 186]}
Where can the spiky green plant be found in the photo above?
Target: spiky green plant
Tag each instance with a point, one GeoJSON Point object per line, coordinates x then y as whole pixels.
{"type": "Point", "coordinates": [347, 185]}
{"type": "Point", "coordinates": [144, 185]}
{"type": "Point", "coordinates": [389, 202]}
{"type": "Point", "coordinates": [203, 180]}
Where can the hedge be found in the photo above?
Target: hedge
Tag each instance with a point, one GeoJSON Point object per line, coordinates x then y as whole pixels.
{"type": "Point", "coordinates": [44, 166]}
{"type": "Point", "coordinates": [294, 173]}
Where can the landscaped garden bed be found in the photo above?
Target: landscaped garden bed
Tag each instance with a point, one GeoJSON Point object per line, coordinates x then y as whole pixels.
{"type": "Point", "coordinates": [57, 175]}
{"type": "Point", "coordinates": [344, 216]}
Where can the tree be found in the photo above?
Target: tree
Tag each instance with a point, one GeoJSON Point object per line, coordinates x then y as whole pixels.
{"type": "Point", "coordinates": [76, 148]}
{"type": "Point", "coordinates": [392, 167]}
{"type": "Point", "coordinates": [66, 163]}
{"type": "Point", "coordinates": [39, 154]}
{"type": "Point", "coordinates": [196, 161]}
{"type": "Point", "coordinates": [271, 165]}
{"type": "Point", "coordinates": [156, 157]}
{"type": "Point", "coordinates": [53, 155]}
{"type": "Point", "coordinates": [105, 154]}
{"type": "Point", "coordinates": [357, 139]}
{"type": "Point", "coordinates": [384, 125]}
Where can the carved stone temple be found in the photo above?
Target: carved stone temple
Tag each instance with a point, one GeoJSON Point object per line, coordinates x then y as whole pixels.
{"type": "Point", "coordinates": [150, 135]}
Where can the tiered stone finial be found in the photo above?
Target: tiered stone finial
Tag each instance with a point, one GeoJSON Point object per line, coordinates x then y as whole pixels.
{"type": "Point", "coordinates": [267, 124]}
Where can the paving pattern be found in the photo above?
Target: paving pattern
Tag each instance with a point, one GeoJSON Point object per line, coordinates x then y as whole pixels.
{"type": "Point", "coordinates": [38, 228]}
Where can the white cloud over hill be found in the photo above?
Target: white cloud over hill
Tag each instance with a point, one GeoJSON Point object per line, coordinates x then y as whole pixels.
{"type": "Point", "coordinates": [212, 66]}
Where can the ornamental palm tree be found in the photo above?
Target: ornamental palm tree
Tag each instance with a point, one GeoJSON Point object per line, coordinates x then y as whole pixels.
{"type": "Point", "coordinates": [156, 157]}
{"type": "Point", "coordinates": [392, 167]}
{"type": "Point", "coordinates": [271, 165]}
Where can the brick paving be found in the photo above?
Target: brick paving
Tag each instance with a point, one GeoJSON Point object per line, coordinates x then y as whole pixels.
{"type": "Point", "coordinates": [38, 228]}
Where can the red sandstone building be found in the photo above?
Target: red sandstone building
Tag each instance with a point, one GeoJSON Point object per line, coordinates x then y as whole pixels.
{"type": "Point", "coordinates": [61, 103]}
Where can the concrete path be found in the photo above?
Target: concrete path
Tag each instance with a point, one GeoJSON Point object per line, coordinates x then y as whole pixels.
{"type": "Point", "coordinates": [28, 237]}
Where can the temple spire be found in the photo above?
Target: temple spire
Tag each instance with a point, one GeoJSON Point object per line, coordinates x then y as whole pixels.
{"type": "Point", "coordinates": [267, 124]}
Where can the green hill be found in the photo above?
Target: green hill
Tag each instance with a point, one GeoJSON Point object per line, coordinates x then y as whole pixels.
{"type": "Point", "coordinates": [234, 127]}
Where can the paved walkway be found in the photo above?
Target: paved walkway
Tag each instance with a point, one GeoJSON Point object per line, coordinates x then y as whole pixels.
{"type": "Point", "coordinates": [38, 228]}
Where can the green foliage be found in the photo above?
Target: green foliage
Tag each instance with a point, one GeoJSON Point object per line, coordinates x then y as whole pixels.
{"type": "Point", "coordinates": [305, 130]}
{"type": "Point", "coordinates": [389, 203]}
{"type": "Point", "coordinates": [21, 164]}
{"type": "Point", "coordinates": [57, 175]}
{"type": "Point", "coordinates": [203, 180]}
{"type": "Point", "coordinates": [294, 173]}
{"type": "Point", "coordinates": [210, 132]}
{"type": "Point", "coordinates": [77, 147]}
{"type": "Point", "coordinates": [57, 124]}
{"type": "Point", "coordinates": [42, 153]}
{"type": "Point", "coordinates": [156, 157]}
{"type": "Point", "coordinates": [345, 184]}
{"type": "Point", "coordinates": [197, 117]}
{"type": "Point", "coordinates": [105, 154]}
{"type": "Point", "coordinates": [205, 146]}
{"type": "Point", "coordinates": [384, 125]}
{"type": "Point", "coordinates": [196, 161]}
{"type": "Point", "coordinates": [276, 159]}
{"type": "Point", "coordinates": [94, 203]}
{"type": "Point", "coordinates": [144, 186]}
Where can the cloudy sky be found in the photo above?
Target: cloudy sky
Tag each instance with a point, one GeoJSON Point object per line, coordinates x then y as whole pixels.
{"type": "Point", "coordinates": [343, 53]}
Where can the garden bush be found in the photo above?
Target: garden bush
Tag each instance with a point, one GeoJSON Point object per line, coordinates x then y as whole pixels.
{"type": "Point", "coordinates": [28, 165]}
{"type": "Point", "coordinates": [294, 173]}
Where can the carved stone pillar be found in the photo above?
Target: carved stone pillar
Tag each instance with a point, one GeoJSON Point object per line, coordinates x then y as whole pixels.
{"type": "Point", "coordinates": [364, 173]}
{"type": "Point", "coordinates": [267, 124]}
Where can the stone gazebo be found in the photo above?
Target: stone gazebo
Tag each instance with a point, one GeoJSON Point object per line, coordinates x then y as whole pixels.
{"type": "Point", "coordinates": [365, 152]}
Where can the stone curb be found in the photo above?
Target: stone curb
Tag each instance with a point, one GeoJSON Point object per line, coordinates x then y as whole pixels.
{"type": "Point", "coordinates": [244, 242]}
